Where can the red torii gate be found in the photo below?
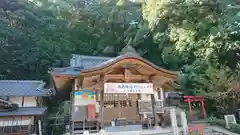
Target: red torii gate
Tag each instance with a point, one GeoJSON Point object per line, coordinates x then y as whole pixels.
{"type": "Point", "coordinates": [189, 99]}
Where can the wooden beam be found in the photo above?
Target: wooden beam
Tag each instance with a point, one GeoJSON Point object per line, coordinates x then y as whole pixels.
{"type": "Point", "coordinates": [157, 80]}
{"type": "Point", "coordinates": [143, 67]}
{"type": "Point", "coordinates": [126, 77]}
{"type": "Point", "coordinates": [137, 77]}
{"type": "Point", "coordinates": [98, 114]}
{"type": "Point", "coordinates": [114, 77]}
{"type": "Point", "coordinates": [80, 81]}
{"type": "Point", "coordinates": [127, 73]}
{"type": "Point", "coordinates": [102, 108]}
{"type": "Point", "coordinates": [96, 87]}
{"type": "Point", "coordinates": [64, 76]}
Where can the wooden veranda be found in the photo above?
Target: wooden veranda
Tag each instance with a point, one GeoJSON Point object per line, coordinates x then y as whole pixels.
{"type": "Point", "coordinates": [127, 68]}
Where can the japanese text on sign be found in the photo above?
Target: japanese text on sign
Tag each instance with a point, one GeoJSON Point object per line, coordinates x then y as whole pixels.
{"type": "Point", "coordinates": [144, 88]}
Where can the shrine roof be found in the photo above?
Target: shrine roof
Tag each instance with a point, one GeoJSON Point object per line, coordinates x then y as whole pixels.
{"type": "Point", "coordinates": [129, 55]}
{"type": "Point", "coordinates": [82, 63]}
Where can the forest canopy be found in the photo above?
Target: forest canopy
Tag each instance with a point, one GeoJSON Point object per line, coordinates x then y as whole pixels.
{"type": "Point", "coordinates": [200, 38]}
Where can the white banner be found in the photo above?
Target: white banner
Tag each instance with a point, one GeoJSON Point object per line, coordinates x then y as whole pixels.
{"type": "Point", "coordinates": [143, 88]}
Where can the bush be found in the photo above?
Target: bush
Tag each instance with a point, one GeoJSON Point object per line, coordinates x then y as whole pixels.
{"type": "Point", "coordinates": [14, 107]}
{"type": "Point", "coordinates": [220, 122]}
{"type": "Point", "coordinates": [195, 133]}
{"type": "Point", "coordinates": [234, 128]}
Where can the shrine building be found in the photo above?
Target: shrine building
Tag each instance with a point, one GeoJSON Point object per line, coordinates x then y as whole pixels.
{"type": "Point", "coordinates": [101, 89]}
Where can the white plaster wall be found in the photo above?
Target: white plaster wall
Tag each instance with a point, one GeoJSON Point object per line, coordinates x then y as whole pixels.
{"type": "Point", "coordinates": [28, 101]}
{"type": "Point", "coordinates": [16, 121]}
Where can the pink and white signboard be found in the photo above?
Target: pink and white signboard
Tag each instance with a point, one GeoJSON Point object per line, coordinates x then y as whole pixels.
{"type": "Point", "coordinates": [142, 88]}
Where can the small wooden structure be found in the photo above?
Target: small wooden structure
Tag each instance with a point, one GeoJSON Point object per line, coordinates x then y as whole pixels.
{"type": "Point", "coordinates": [189, 99]}
{"type": "Point", "coordinates": [127, 68]}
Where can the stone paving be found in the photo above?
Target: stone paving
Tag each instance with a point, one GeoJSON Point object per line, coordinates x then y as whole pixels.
{"type": "Point", "coordinates": [133, 130]}
{"type": "Point", "coordinates": [137, 130]}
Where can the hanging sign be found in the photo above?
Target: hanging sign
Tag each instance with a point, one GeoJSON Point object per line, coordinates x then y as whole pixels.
{"type": "Point", "coordinates": [143, 88]}
{"type": "Point", "coordinates": [83, 97]}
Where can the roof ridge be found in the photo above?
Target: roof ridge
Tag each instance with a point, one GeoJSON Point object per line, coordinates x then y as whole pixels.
{"type": "Point", "coordinates": [91, 57]}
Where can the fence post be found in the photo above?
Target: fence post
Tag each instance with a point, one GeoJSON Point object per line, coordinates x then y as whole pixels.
{"type": "Point", "coordinates": [40, 127]}
{"type": "Point", "coordinates": [184, 123]}
{"type": "Point", "coordinates": [174, 121]}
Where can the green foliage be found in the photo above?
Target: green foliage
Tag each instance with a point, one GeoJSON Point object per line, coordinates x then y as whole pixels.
{"type": "Point", "coordinates": [235, 128]}
{"type": "Point", "coordinates": [14, 107]}
{"type": "Point", "coordinates": [218, 122]}
{"type": "Point", "coordinates": [38, 35]}
{"type": "Point", "coordinates": [198, 37]}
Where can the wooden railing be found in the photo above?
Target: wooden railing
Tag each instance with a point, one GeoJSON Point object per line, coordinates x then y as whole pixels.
{"type": "Point", "coordinates": [12, 130]}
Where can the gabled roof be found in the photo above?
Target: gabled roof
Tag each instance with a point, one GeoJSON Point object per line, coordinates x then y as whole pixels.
{"type": "Point", "coordinates": [132, 57]}
{"type": "Point", "coordinates": [82, 63]}
{"type": "Point", "coordinates": [22, 88]}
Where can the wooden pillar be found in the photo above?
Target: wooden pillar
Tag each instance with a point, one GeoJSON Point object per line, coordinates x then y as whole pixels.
{"type": "Point", "coordinates": [76, 84]}
{"type": "Point", "coordinates": [102, 108]}
{"type": "Point", "coordinates": [72, 110]}
{"type": "Point", "coordinates": [119, 105]}
{"type": "Point", "coordinates": [154, 109]}
{"type": "Point", "coordinates": [162, 94]}
{"type": "Point", "coordinates": [204, 110]}
{"type": "Point", "coordinates": [39, 127]}
{"type": "Point", "coordinates": [153, 102]}
{"type": "Point", "coordinates": [97, 107]}
{"type": "Point", "coordinates": [190, 107]}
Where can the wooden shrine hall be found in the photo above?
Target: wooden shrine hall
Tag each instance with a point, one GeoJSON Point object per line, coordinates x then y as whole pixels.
{"type": "Point", "coordinates": [125, 87]}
